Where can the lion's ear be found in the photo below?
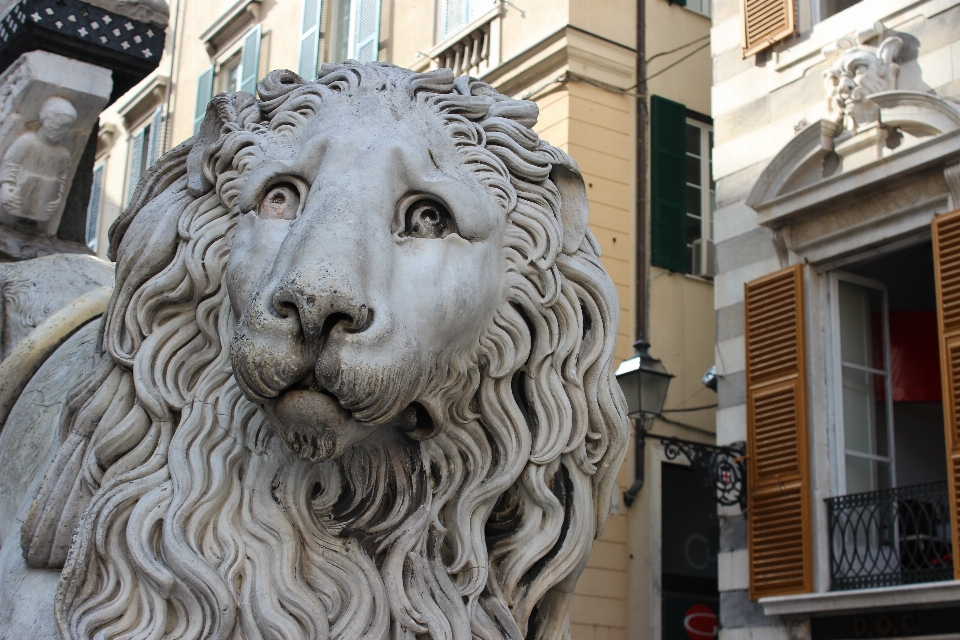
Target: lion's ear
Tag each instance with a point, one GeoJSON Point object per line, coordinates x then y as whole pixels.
{"type": "Point", "coordinates": [574, 206]}
{"type": "Point", "coordinates": [221, 110]}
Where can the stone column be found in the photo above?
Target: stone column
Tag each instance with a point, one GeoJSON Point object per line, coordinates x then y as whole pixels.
{"type": "Point", "coordinates": [49, 106]}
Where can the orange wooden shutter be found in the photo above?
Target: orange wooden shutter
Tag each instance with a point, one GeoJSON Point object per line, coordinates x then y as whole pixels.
{"type": "Point", "coordinates": [778, 518]}
{"type": "Point", "coordinates": [946, 259]}
{"type": "Point", "coordinates": [766, 22]}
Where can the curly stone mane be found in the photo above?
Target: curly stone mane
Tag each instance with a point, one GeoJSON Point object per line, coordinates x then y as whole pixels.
{"type": "Point", "coordinates": [175, 510]}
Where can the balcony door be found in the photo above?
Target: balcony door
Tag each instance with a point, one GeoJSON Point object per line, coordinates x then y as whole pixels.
{"type": "Point", "coordinates": [863, 394]}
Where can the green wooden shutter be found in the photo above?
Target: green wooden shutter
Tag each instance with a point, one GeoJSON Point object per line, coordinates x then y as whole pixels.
{"type": "Point", "coordinates": [135, 164]}
{"type": "Point", "coordinates": [156, 130]}
{"type": "Point", "coordinates": [309, 39]}
{"type": "Point", "coordinates": [204, 93]}
{"type": "Point", "coordinates": [367, 30]}
{"type": "Point", "coordinates": [668, 207]}
{"type": "Point", "coordinates": [93, 207]}
{"type": "Point", "coordinates": [250, 61]}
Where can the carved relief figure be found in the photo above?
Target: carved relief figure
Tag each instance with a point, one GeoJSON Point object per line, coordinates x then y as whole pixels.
{"type": "Point", "coordinates": [859, 72]}
{"type": "Point", "coordinates": [355, 381]}
{"type": "Point", "coordinates": [35, 168]}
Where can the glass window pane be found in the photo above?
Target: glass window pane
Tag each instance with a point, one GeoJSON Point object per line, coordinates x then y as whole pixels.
{"type": "Point", "coordinates": [693, 228]}
{"type": "Point", "coordinates": [693, 140]}
{"type": "Point", "coordinates": [694, 201]}
{"type": "Point", "coordinates": [859, 338]}
{"type": "Point", "coordinates": [866, 475]}
{"type": "Point", "coordinates": [693, 170]}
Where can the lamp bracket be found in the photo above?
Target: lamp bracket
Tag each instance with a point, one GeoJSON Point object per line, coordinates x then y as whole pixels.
{"type": "Point", "coordinates": [723, 468]}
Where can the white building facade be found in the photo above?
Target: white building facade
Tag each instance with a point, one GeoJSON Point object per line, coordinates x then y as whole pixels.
{"type": "Point", "coordinates": [837, 169]}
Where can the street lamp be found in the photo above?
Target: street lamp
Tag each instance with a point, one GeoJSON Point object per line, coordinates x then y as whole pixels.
{"type": "Point", "coordinates": [644, 381]}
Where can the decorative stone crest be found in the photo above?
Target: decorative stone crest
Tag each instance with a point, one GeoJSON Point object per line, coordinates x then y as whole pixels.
{"type": "Point", "coordinates": [859, 72]}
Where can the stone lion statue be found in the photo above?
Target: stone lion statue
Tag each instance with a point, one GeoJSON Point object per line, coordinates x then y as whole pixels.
{"type": "Point", "coordinates": [355, 381]}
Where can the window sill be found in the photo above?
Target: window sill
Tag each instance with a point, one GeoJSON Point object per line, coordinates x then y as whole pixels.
{"type": "Point", "coordinates": [859, 600]}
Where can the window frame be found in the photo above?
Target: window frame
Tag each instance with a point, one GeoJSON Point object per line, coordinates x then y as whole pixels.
{"type": "Point", "coordinates": [706, 14]}
{"type": "Point", "coordinates": [232, 61]}
{"type": "Point", "coordinates": [706, 186]}
{"type": "Point", "coordinates": [837, 451]}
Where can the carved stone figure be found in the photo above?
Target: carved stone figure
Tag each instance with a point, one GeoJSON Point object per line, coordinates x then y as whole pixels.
{"type": "Point", "coordinates": [49, 104]}
{"type": "Point", "coordinates": [355, 381]}
{"type": "Point", "coordinates": [34, 170]}
{"type": "Point", "coordinates": [860, 71]}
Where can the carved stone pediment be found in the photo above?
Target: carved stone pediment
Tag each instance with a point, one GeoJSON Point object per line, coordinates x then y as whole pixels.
{"type": "Point", "coordinates": [824, 162]}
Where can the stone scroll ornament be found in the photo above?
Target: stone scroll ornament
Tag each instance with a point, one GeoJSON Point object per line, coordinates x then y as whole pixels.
{"type": "Point", "coordinates": [355, 380]}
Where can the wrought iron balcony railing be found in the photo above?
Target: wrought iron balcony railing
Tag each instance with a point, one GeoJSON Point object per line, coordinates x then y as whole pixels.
{"type": "Point", "coordinates": [890, 537]}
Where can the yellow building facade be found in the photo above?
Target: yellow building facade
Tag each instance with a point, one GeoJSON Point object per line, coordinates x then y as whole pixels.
{"type": "Point", "coordinates": [577, 59]}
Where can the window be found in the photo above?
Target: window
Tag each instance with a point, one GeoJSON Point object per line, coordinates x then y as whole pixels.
{"type": "Point", "coordinates": [94, 206]}
{"type": "Point", "coordinates": [823, 9]}
{"type": "Point", "coordinates": [702, 7]}
{"type": "Point", "coordinates": [340, 30]}
{"type": "Point", "coordinates": [682, 189]}
{"type": "Point", "coordinates": [458, 13]}
{"type": "Point", "coordinates": [701, 192]}
{"type": "Point", "coordinates": [145, 148]}
{"type": "Point", "coordinates": [766, 22]}
{"type": "Point", "coordinates": [228, 79]}
{"type": "Point", "coordinates": [863, 392]}
{"type": "Point", "coordinates": [239, 72]}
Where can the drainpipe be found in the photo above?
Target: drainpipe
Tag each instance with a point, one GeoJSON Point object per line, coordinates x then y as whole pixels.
{"type": "Point", "coordinates": [640, 303]}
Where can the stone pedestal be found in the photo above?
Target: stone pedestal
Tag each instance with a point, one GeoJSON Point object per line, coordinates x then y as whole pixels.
{"type": "Point", "coordinates": [49, 105]}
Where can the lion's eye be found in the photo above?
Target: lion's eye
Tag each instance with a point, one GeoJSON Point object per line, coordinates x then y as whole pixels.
{"type": "Point", "coordinates": [428, 219]}
{"type": "Point", "coordinates": [281, 202]}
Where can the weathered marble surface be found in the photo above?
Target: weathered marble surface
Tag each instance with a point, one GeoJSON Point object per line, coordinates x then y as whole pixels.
{"type": "Point", "coordinates": [48, 107]}
{"type": "Point", "coordinates": [356, 381]}
{"type": "Point", "coordinates": [31, 290]}
{"type": "Point", "coordinates": [28, 443]}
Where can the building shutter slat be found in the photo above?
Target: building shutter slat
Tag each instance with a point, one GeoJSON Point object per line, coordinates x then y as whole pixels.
{"type": "Point", "coordinates": [777, 458]}
{"type": "Point", "coordinates": [946, 259]}
{"type": "Point", "coordinates": [93, 207]}
{"type": "Point", "coordinates": [668, 182]}
{"type": "Point", "coordinates": [766, 22]}
{"type": "Point", "coordinates": [250, 61]}
{"type": "Point", "coordinates": [204, 93]}
{"type": "Point", "coordinates": [367, 30]}
{"type": "Point", "coordinates": [309, 40]}
{"type": "Point", "coordinates": [156, 137]}
{"type": "Point", "coordinates": [134, 164]}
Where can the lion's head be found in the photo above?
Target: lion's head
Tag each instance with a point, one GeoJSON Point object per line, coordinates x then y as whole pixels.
{"type": "Point", "coordinates": [355, 381]}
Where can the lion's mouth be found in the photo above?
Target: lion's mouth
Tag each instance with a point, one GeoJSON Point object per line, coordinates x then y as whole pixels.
{"type": "Point", "coordinates": [317, 427]}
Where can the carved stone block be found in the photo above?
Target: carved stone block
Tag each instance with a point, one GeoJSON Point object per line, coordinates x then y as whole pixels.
{"type": "Point", "coordinates": [48, 107]}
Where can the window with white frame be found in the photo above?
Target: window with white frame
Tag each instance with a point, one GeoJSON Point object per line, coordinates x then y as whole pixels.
{"type": "Point", "coordinates": [703, 7]}
{"type": "Point", "coordinates": [823, 9]}
{"type": "Point", "coordinates": [458, 13]}
{"type": "Point", "coordinates": [701, 190]}
{"type": "Point", "coordinates": [228, 77]}
{"type": "Point", "coordinates": [862, 391]}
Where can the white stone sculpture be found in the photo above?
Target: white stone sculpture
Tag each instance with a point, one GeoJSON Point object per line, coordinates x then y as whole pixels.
{"type": "Point", "coordinates": [355, 381]}
{"type": "Point", "coordinates": [859, 72]}
{"type": "Point", "coordinates": [35, 168]}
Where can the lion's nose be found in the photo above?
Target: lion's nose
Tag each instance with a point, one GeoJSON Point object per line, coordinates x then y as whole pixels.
{"type": "Point", "coordinates": [320, 309]}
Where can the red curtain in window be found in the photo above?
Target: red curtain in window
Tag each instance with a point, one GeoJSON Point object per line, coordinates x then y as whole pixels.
{"type": "Point", "coordinates": [914, 356]}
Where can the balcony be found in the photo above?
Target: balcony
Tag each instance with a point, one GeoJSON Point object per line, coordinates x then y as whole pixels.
{"type": "Point", "coordinates": [890, 537]}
